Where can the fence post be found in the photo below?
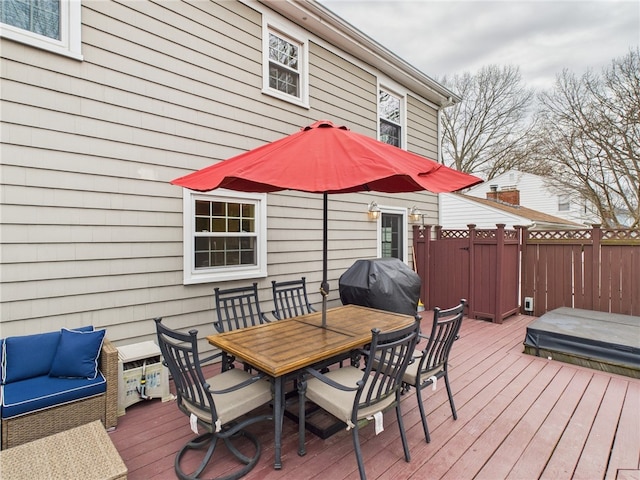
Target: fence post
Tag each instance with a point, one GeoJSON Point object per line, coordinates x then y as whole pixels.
{"type": "Point", "coordinates": [497, 315]}
{"type": "Point", "coordinates": [421, 248]}
{"type": "Point", "coordinates": [522, 274]}
{"type": "Point", "coordinates": [472, 283]}
{"type": "Point", "coordinates": [596, 239]}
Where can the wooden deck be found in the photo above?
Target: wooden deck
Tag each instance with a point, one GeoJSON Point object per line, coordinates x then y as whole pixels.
{"type": "Point", "coordinates": [519, 417]}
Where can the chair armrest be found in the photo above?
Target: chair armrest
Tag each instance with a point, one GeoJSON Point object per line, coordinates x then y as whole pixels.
{"type": "Point", "coordinates": [331, 382]}
{"type": "Point", "coordinates": [237, 386]}
{"type": "Point", "coordinates": [109, 368]}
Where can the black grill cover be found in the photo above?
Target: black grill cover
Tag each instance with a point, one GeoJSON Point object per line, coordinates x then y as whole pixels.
{"type": "Point", "coordinates": [383, 283]}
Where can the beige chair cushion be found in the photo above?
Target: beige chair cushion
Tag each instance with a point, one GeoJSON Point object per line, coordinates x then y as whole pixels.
{"type": "Point", "coordinates": [340, 403]}
{"type": "Point", "coordinates": [411, 374]}
{"type": "Point", "coordinates": [230, 406]}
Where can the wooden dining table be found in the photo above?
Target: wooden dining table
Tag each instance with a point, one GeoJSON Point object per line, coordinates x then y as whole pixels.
{"type": "Point", "coordinates": [281, 348]}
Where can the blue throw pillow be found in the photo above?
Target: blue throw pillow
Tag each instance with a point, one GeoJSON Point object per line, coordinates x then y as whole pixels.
{"type": "Point", "coordinates": [77, 354]}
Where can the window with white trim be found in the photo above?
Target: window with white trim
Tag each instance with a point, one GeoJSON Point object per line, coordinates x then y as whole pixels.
{"type": "Point", "coordinates": [224, 236]}
{"type": "Point", "coordinates": [53, 25]}
{"type": "Point", "coordinates": [285, 66]}
{"type": "Point", "coordinates": [564, 203]}
{"type": "Point", "coordinates": [390, 114]}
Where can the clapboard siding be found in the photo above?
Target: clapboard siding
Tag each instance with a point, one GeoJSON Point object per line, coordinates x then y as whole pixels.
{"type": "Point", "coordinates": [92, 228]}
{"type": "Point", "coordinates": [339, 84]}
{"type": "Point", "coordinates": [423, 135]}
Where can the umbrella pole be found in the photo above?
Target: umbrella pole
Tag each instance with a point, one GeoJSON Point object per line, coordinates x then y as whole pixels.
{"type": "Point", "coordinates": [324, 287]}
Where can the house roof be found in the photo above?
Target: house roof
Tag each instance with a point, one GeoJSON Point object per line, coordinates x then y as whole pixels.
{"type": "Point", "coordinates": [534, 216]}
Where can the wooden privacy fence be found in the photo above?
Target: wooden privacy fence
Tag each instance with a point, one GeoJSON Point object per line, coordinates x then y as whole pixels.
{"type": "Point", "coordinates": [594, 269]}
{"type": "Point", "coordinates": [496, 269]}
{"type": "Point", "coordinates": [479, 265]}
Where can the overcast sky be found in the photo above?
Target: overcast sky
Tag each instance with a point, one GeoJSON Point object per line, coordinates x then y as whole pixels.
{"type": "Point", "coordinates": [542, 37]}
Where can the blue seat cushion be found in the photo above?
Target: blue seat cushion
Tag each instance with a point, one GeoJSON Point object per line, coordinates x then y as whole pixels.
{"type": "Point", "coordinates": [41, 392]}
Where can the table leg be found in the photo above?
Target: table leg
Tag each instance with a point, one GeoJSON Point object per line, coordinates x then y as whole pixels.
{"type": "Point", "coordinates": [278, 419]}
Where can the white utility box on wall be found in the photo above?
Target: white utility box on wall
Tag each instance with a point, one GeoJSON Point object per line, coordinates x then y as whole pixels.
{"type": "Point", "coordinates": [133, 360]}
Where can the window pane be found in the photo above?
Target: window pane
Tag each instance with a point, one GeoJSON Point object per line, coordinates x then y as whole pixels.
{"type": "Point", "coordinates": [389, 133]}
{"type": "Point", "coordinates": [248, 225]}
{"type": "Point", "coordinates": [564, 203]}
{"type": "Point", "coordinates": [389, 111]}
{"type": "Point", "coordinates": [233, 209]}
{"type": "Point", "coordinates": [389, 107]}
{"type": "Point", "coordinates": [37, 16]}
{"type": "Point", "coordinates": [202, 208]}
{"type": "Point", "coordinates": [219, 225]}
{"type": "Point", "coordinates": [283, 52]}
{"type": "Point", "coordinates": [218, 209]}
{"type": "Point", "coordinates": [202, 224]}
{"type": "Point", "coordinates": [284, 81]}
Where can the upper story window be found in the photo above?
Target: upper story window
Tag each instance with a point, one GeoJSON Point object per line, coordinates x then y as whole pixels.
{"type": "Point", "coordinates": [285, 66]}
{"type": "Point", "coordinates": [564, 203]}
{"type": "Point", "coordinates": [224, 236]}
{"type": "Point", "coordinates": [390, 113]}
{"type": "Point", "coordinates": [52, 25]}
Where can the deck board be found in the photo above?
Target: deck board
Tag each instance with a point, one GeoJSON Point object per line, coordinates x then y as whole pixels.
{"type": "Point", "coordinates": [519, 417]}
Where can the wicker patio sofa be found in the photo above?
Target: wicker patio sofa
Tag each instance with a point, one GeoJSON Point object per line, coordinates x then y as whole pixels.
{"type": "Point", "coordinates": [43, 419]}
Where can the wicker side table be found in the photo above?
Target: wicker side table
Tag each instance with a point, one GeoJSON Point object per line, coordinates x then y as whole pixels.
{"type": "Point", "coordinates": [83, 452]}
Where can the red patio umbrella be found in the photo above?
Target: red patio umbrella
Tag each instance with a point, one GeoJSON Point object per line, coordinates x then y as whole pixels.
{"type": "Point", "coordinates": [324, 158]}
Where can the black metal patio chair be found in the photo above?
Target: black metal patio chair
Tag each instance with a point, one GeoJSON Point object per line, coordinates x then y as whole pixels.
{"type": "Point", "coordinates": [290, 299]}
{"type": "Point", "coordinates": [214, 404]}
{"type": "Point", "coordinates": [237, 308]}
{"type": "Point", "coordinates": [354, 395]}
{"type": "Point", "coordinates": [432, 362]}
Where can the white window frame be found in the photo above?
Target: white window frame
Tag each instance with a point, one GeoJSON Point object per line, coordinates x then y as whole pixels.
{"type": "Point", "coordinates": [405, 217]}
{"type": "Point", "coordinates": [403, 112]}
{"type": "Point", "coordinates": [223, 274]}
{"type": "Point", "coordinates": [293, 35]}
{"type": "Point", "coordinates": [564, 202]}
{"type": "Point", "coordinates": [70, 43]}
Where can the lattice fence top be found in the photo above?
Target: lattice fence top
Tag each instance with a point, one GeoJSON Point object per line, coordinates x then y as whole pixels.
{"type": "Point", "coordinates": [486, 234]}
{"type": "Point", "coordinates": [624, 234]}
{"type": "Point", "coordinates": [560, 235]}
{"type": "Point", "coordinates": [454, 233]}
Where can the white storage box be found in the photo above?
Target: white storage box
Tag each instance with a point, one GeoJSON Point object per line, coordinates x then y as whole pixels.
{"type": "Point", "coordinates": [132, 361]}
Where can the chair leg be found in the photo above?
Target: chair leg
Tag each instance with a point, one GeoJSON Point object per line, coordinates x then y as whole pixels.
{"type": "Point", "coordinates": [453, 406]}
{"type": "Point", "coordinates": [302, 389]}
{"type": "Point", "coordinates": [207, 439]}
{"type": "Point", "coordinates": [356, 447]}
{"type": "Point", "coordinates": [211, 440]}
{"type": "Point", "coordinates": [403, 436]}
{"type": "Point", "coordinates": [423, 415]}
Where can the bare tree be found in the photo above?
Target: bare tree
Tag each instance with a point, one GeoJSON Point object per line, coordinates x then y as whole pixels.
{"type": "Point", "coordinates": [487, 133]}
{"type": "Point", "coordinates": [589, 136]}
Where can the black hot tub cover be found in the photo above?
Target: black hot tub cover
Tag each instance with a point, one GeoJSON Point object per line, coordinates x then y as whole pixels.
{"type": "Point", "coordinates": [383, 283]}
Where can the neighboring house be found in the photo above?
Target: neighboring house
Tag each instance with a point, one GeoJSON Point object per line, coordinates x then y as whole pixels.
{"type": "Point", "coordinates": [105, 102]}
{"type": "Point", "coordinates": [535, 193]}
{"type": "Point", "coordinates": [457, 211]}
